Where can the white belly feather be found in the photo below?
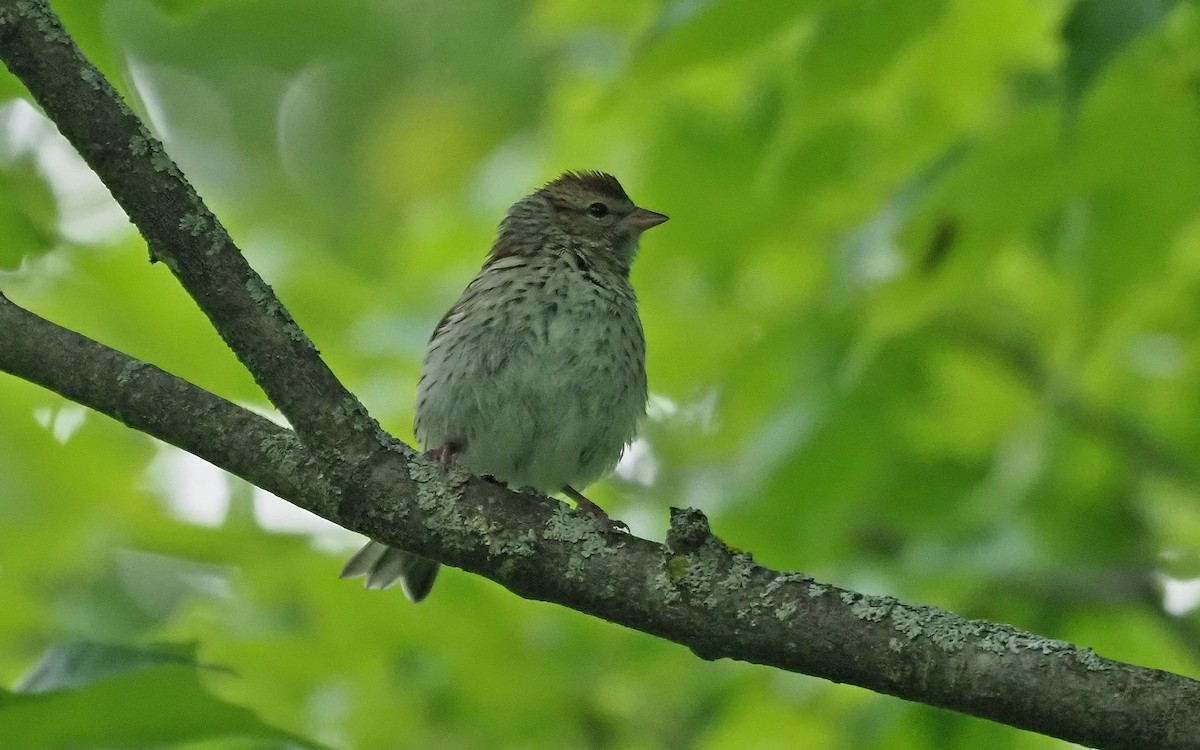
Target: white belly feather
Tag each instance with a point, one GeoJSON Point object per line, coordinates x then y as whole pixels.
{"type": "Point", "coordinates": [539, 385]}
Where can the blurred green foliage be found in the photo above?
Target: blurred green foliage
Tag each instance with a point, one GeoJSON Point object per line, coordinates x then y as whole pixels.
{"type": "Point", "coordinates": [923, 323]}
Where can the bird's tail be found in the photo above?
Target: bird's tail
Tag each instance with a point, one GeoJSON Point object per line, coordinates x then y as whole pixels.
{"type": "Point", "coordinates": [383, 565]}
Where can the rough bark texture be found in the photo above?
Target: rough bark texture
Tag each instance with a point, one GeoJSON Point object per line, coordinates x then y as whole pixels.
{"type": "Point", "coordinates": [338, 464]}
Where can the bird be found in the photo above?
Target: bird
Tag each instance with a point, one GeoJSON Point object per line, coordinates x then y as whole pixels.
{"type": "Point", "coordinates": [536, 376]}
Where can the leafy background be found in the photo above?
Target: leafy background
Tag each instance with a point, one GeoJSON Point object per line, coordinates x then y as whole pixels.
{"type": "Point", "coordinates": [923, 323]}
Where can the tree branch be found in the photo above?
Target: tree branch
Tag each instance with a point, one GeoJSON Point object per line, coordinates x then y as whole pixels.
{"type": "Point", "coordinates": [694, 590]}
{"type": "Point", "coordinates": [182, 232]}
{"type": "Point", "coordinates": [159, 404]}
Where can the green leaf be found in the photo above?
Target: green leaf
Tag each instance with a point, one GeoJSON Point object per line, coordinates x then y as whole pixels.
{"type": "Point", "coordinates": [86, 694]}
{"type": "Point", "coordinates": [28, 214]}
{"type": "Point", "coordinates": [688, 33]}
{"type": "Point", "coordinates": [1098, 30]}
{"type": "Point", "coordinates": [80, 663]}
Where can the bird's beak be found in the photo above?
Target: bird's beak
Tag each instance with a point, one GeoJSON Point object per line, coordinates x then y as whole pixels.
{"type": "Point", "coordinates": [642, 219]}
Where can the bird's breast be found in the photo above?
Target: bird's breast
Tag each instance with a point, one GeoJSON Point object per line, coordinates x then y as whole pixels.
{"type": "Point", "coordinates": [542, 378]}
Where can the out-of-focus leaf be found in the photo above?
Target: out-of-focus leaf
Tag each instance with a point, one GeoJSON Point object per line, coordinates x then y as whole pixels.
{"type": "Point", "coordinates": [95, 695]}
{"type": "Point", "coordinates": [27, 214]}
{"type": "Point", "coordinates": [1097, 30]}
{"type": "Point", "coordinates": [10, 87]}
{"type": "Point", "coordinates": [855, 42]}
{"type": "Point", "coordinates": [693, 32]}
{"type": "Point", "coordinates": [73, 665]}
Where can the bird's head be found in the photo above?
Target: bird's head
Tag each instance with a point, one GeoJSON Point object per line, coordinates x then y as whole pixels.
{"type": "Point", "coordinates": [582, 211]}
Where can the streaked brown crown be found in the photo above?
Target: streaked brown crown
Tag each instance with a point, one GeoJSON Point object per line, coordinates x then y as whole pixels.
{"type": "Point", "coordinates": [582, 207]}
{"type": "Point", "coordinates": [573, 186]}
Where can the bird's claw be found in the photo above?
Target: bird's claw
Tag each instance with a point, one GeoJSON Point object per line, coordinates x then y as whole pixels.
{"type": "Point", "coordinates": [444, 455]}
{"type": "Point", "coordinates": [589, 508]}
{"type": "Point", "coordinates": [609, 523]}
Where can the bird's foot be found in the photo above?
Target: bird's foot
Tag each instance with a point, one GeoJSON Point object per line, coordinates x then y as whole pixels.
{"type": "Point", "coordinates": [595, 511]}
{"type": "Point", "coordinates": [444, 455]}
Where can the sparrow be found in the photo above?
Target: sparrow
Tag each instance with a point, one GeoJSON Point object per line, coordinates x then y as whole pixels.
{"type": "Point", "coordinates": [536, 376]}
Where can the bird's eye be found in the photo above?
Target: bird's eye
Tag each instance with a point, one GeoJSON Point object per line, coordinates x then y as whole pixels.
{"type": "Point", "coordinates": [598, 209]}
